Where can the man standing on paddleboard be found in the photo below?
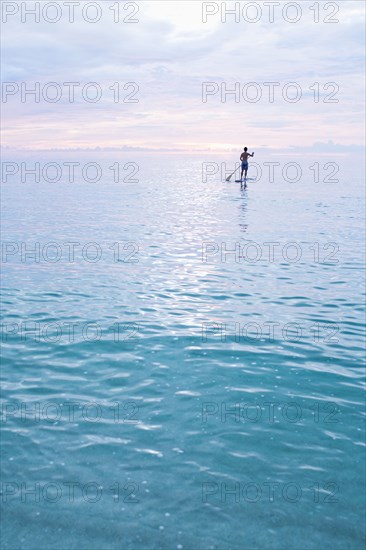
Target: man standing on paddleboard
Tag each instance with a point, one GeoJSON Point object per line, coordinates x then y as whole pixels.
{"type": "Point", "coordinates": [244, 162]}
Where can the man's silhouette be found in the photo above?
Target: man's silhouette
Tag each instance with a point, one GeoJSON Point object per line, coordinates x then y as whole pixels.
{"type": "Point", "coordinates": [244, 162]}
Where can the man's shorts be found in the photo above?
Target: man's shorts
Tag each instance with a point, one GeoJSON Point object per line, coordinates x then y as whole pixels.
{"type": "Point", "coordinates": [244, 166]}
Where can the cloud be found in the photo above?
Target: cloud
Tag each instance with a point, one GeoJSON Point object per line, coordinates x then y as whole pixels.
{"type": "Point", "coordinates": [169, 54]}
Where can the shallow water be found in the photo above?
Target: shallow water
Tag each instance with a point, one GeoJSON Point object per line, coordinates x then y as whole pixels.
{"type": "Point", "coordinates": [198, 399]}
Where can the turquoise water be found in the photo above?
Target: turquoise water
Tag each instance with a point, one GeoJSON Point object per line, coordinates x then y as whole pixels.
{"type": "Point", "coordinates": [166, 394]}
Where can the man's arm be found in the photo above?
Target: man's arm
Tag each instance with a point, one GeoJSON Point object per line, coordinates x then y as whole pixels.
{"type": "Point", "coordinates": [251, 155]}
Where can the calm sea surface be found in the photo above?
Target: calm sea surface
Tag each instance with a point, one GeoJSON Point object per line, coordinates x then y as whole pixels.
{"type": "Point", "coordinates": [183, 358]}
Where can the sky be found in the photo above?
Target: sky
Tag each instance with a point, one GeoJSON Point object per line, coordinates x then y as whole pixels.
{"type": "Point", "coordinates": [162, 62]}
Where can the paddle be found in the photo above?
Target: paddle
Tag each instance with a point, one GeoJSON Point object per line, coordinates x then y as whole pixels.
{"type": "Point", "coordinates": [231, 175]}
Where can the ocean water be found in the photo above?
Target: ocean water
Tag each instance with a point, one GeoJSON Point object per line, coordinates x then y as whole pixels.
{"type": "Point", "coordinates": [188, 373]}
